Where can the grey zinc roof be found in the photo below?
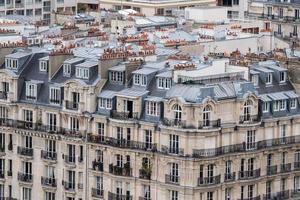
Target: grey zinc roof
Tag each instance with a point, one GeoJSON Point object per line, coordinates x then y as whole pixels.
{"type": "Point", "coordinates": [253, 71]}
{"type": "Point", "coordinates": [19, 54]}
{"type": "Point", "coordinates": [153, 98]}
{"type": "Point", "coordinates": [292, 94]}
{"type": "Point", "coordinates": [263, 69]}
{"type": "Point", "coordinates": [107, 94]}
{"type": "Point", "coordinates": [73, 60]}
{"type": "Point", "coordinates": [166, 74]}
{"type": "Point", "coordinates": [119, 68]}
{"type": "Point", "coordinates": [264, 97]}
{"type": "Point", "coordinates": [277, 96]}
{"type": "Point", "coordinates": [132, 92]}
{"type": "Point", "coordinates": [44, 58]}
{"type": "Point", "coordinates": [145, 71]}
{"type": "Point", "coordinates": [277, 68]}
{"type": "Point", "coordinates": [187, 92]}
{"type": "Point", "coordinates": [87, 64]}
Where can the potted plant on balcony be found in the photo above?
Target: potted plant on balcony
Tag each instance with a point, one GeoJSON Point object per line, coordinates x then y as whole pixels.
{"type": "Point", "coordinates": [147, 170]}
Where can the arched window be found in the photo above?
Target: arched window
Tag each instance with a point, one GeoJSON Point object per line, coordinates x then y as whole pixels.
{"type": "Point", "coordinates": [177, 111]}
{"type": "Point", "coordinates": [247, 110]}
{"type": "Point", "coordinates": [207, 115]}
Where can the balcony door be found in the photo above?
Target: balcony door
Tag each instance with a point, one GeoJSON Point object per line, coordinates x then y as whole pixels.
{"type": "Point", "coordinates": [128, 108]}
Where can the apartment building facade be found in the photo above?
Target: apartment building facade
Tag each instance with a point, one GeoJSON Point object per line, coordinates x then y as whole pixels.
{"type": "Point", "coordinates": [81, 128]}
{"type": "Point", "coordinates": [36, 10]}
{"type": "Point", "coordinates": [280, 16]}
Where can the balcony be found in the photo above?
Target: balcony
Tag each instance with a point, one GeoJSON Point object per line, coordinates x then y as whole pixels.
{"type": "Point", "coordinates": [247, 119]}
{"type": "Point", "coordinates": [97, 166]}
{"type": "Point", "coordinates": [71, 160]}
{"type": "Point", "coordinates": [271, 170]}
{"type": "Point", "coordinates": [23, 177]}
{"type": "Point", "coordinates": [122, 143]}
{"type": "Point", "coordinates": [31, 98]}
{"type": "Point", "coordinates": [54, 101]}
{"type": "Point", "coordinates": [69, 186]}
{"type": "Point", "coordinates": [251, 198]}
{"type": "Point", "coordinates": [277, 196]}
{"type": "Point", "coordinates": [172, 150]}
{"type": "Point", "coordinates": [24, 151]}
{"type": "Point", "coordinates": [144, 198]}
{"type": "Point", "coordinates": [120, 171]}
{"type": "Point", "coordinates": [177, 123]}
{"type": "Point", "coordinates": [172, 179]}
{"type": "Point", "coordinates": [48, 155]}
{"type": "Point", "coordinates": [97, 193]}
{"type": "Point", "coordinates": [209, 124]}
{"type": "Point", "coordinates": [145, 173]}
{"type": "Point", "coordinates": [3, 95]}
{"type": "Point", "coordinates": [114, 196]}
{"type": "Point", "coordinates": [70, 105]}
{"type": "Point", "coordinates": [208, 181]}
{"type": "Point", "coordinates": [49, 182]}
{"type": "Point", "coordinates": [246, 175]}
{"type": "Point", "coordinates": [284, 168]}
{"type": "Point", "coordinates": [124, 115]}
{"type": "Point", "coordinates": [229, 177]}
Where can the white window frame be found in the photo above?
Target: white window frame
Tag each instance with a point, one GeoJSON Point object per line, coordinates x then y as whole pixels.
{"type": "Point", "coordinates": [31, 89]}
{"type": "Point", "coordinates": [276, 105]}
{"type": "Point", "coordinates": [82, 73]}
{"type": "Point", "coordinates": [255, 80]}
{"type": "Point", "coordinates": [43, 65]}
{"type": "Point", "coordinates": [54, 94]}
{"type": "Point", "coordinates": [164, 83]}
{"type": "Point", "coordinates": [293, 103]}
{"type": "Point", "coordinates": [265, 107]}
{"type": "Point", "coordinates": [105, 103]}
{"type": "Point", "coordinates": [67, 69]}
{"type": "Point", "coordinates": [11, 63]}
{"type": "Point", "coordinates": [152, 108]}
{"type": "Point", "coordinates": [282, 105]}
{"type": "Point", "coordinates": [284, 77]}
{"type": "Point", "coordinates": [269, 79]}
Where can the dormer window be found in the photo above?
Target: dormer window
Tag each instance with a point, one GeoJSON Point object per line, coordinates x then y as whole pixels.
{"type": "Point", "coordinates": [116, 76]}
{"type": "Point", "coordinates": [265, 107]}
{"type": "Point", "coordinates": [164, 83]}
{"type": "Point", "coordinates": [105, 103]}
{"type": "Point", "coordinates": [282, 77]}
{"type": "Point", "coordinates": [54, 96]}
{"type": "Point", "coordinates": [11, 63]}
{"type": "Point", "coordinates": [43, 66]}
{"type": "Point", "coordinates": [293, 103]}
{"type": "Point", "coordinates": [31, 91]}
{"type": "Point", "coordinates": [282, 104]}
{"type": "Point", "coordinates": [152, 108]}
{"type": "Point", "coordinates": [82, 73]}
{"type": "Point", "coordinates": [269, 78]}
{"type": "Point", "coordinates": [140, 80]}
{"type": "Point", "coordinates": [67, 70]}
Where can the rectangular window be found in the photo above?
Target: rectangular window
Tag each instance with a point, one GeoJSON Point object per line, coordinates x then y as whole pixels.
{"type": "Point", "coordinates": [265, 107]}
{"type": "Point", "coordinates": [152, 108]}
{"type": "Point", "coordinates": [210, 196]}
{"type": "Point", "coordinates": [54, 95]}
{"type": "Point", "coordinates": [3, 112]}
{"type": "Point", "coordinates": [282, 77]}
{"type": "Point", "coordinates": [293, 103]}
{"type": "Point", "coordinates": [174, 144]}
{"type": "Point", "coordinates": [82, 73]}
{"type": "Point", "coordinates": [49, 196]}
{"type": "Point", "coordinates": [173, 195]}
{"type": "Point", "coordinates": [26, 194]}
{"type": "Point", "coordinates": [227, 193]}
{"type": "Point", "coordinates": [67, 70]}
{"type": "Point", "coordinates": [269, 78]}
{"type": "Point", "coordinates": [31, 91]}
{"type": "Point", "coordinates": [255, 80]}
{"type": "Point", "coordinates": [276, 105]}
{"type": "Point", "coordinates": [251, 140]}
{"type": "Point", "coordinates": [164, 83]}
{"type": "Point", "coordinates": [43, 66]}
{"type": "Point", "coordinates": [51, 122]}
{"type": "Point", "coordinates": [282, 104]}
{"type": "Point", "coordinates": [74, 124]}
{"type": "Point", "coordinates": [148, 139]}
{"type": "Point", "coordinates": [105, 103]}
{"type": "Point", "coordinates": [28, 118]}
{"type": "Point", "coordinates": [116, 76]}
{"type": "Point", "coordinates": [101, 129]}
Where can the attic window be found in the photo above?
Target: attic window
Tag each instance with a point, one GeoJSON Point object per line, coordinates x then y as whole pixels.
{"type": "Point", "coordinates": [31, 91]}
{"type": "Point", "coordinates": [82, 73]}
{"type": "Point", "coordinates": [282, 77]}
{"type": "Point", "coordinates": [140, 80]}
{"type": "Point", "coordinates": [254, 80]}
{"type": "Point", "coordinates": [116, 76]}
{"type": "Point", "coordinates": [269, 78]}
{"type": "Point", "coordinates": [43, 66]}
{"type": "Point", "coordinates": [67, 70]}
{"type": "Point", "coordinates": [11, 63]}
{"type": "Point", "coordinates": [163, 83]}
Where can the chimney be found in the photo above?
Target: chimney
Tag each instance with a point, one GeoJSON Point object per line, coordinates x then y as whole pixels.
{"type": "Point", "coordinates": [131, 66]}
{"type": "Point", "coordinates": [56, 58]}
{"type": "Point", "coordinates": [7, 48]}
